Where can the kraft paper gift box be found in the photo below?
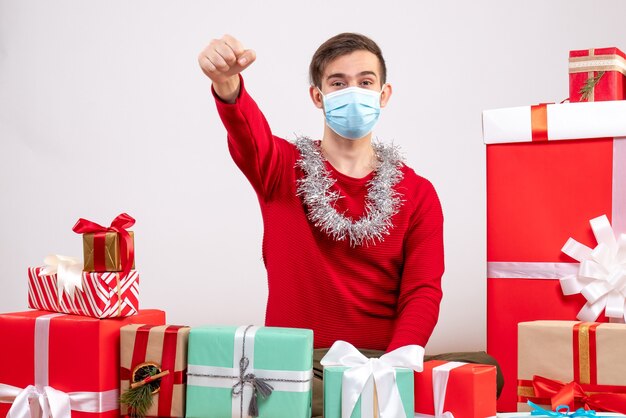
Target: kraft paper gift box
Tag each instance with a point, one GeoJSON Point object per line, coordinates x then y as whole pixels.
{"type": "Point", "coordinates": [550, 169]}
{"type": "Point", "coordinates": [230, 369]}
{"type": "Point", "coordinates": [108, 248]}
{"type": "Point", "coordinates": [463, 389]}
{"type": "Point", "coordinates": [602, 69]}
{"type": "Point", "coordinates": [359, 387]}
{"type": "Point", "coordinates": [100, 295]}
{"type": "Point", "coordinates": [553, 354]}
{"type": "Point", "coordinates": [161, 349]}
{"type": "Point", "coordinates": [61, 360]}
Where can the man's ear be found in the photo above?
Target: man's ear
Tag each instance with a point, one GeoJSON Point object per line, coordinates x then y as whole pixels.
{"type": "Point", "coordinates": [385, 94]}
{"type": "Point", "coordinates": [316, 97]}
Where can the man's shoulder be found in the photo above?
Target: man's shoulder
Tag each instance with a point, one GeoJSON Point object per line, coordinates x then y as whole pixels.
{"type": "Point", "coordinates": [414, 183]}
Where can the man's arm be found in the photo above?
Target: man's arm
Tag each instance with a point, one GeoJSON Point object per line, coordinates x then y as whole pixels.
{"type": "Point", "coordinates": [250, 141]}
{"type": "Point", "coordinates": [420, 289]}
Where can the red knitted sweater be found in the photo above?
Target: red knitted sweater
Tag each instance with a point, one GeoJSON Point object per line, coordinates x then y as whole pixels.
{"type": "Point", "coordinates": [381, 296]}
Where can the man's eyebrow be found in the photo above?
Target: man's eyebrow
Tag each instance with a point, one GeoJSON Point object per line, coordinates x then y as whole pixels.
{"type": "Point", "coordinates": [342, 75]}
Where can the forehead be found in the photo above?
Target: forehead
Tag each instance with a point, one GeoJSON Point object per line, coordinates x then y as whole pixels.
{"type": "Point", "coordinates": [353, 63]}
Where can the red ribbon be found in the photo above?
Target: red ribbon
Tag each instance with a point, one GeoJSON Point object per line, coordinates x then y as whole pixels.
{"type": "Point", "coordinates": [119, 225]}
{"type": "Point", "coordinates": [573, 395]}
{"type": "Point", "coordinates": [539, 122]}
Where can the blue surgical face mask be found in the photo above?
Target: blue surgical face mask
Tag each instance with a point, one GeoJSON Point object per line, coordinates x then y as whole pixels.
{"type": "Point", "coordinates": [352, 112]}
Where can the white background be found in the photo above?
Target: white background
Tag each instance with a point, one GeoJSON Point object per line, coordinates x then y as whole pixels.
{"type": "Point", "coordinates": [103, 110]}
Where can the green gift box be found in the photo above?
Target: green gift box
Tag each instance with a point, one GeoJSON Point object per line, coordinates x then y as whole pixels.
{"type": "Point", "coordinates": [333, 376]}
{"type": "Point", "coordinates": [233, 369]}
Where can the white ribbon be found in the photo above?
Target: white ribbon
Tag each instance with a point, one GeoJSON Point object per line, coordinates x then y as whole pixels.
{"type": "Point", "coordinates": [364, 373]}
{"type": "Point", "coordinates": [440, 387]}
{"type": "Point", "coordinates": [601, 277]}
{"type": "Point", "coordinates": [69, 271]}
{"type": "Point", "coordinates": [47, 401]}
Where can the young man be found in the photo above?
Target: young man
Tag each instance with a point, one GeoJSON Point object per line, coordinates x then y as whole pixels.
{"type": "Point", "coordinates": [353, 238]}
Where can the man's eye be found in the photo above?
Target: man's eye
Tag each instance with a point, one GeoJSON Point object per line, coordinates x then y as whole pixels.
{"type": "Point", "coordinates": [337, 84]}
{"type": "Point", "coordinates": [366, 83]}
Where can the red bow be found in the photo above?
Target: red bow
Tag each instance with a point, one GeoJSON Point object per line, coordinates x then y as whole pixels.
{"type": "Point", "coordinates": [119, 225]}
{"type": "Point", "coordinates": [573, 395]}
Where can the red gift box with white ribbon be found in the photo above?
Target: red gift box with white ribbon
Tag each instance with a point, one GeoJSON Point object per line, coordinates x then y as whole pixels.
{"type": "Point", "coordinates": [62, 365]}
{"type": "Point", "coordinates": [550, 170]}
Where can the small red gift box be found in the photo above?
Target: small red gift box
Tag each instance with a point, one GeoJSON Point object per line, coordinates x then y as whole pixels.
{"type": "Point", "coordinates": [65, 362]}
{"type": "Point", "coordinates": [109, 248]}
{"type": "Point", "coordinates": [597, 74]}
{"type": "Point", "coordinates": [103, 295]}
{"type": "Point", "coordinates": [550, 169]}
{"type": "Point", "coordinates": [163, 348]}
{"type": "Point", "coordinates": [463, 389]}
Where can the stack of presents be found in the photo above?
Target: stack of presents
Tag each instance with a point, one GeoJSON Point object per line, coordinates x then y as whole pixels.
{"type": "Point", "coordinates": [556, 209]}
{"type": "Point", "coordinates": [556, 243]}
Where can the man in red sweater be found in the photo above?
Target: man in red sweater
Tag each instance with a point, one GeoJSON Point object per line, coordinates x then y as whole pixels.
{"type": "Point", "coordinates": [353, 237]}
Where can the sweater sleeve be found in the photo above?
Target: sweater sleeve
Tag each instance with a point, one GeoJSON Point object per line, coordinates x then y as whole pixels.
{"type": "Point", "coordinates": [250, 141]}
{"type": "Point", "coordinates": [420, 287]}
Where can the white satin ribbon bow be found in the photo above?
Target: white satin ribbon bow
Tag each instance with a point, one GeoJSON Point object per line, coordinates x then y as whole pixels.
{"type": "Point", "coordinates": [47, 402]}
{"type": "Point", "coordinates": [69, 271]}
{"type": "Point", "coordinates": [601, 277]}
{"type": "Point", "coordinates": [362, 370]}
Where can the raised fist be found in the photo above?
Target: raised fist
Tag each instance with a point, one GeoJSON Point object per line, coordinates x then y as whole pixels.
{"type": "Point", "coordinates": [225, 58]}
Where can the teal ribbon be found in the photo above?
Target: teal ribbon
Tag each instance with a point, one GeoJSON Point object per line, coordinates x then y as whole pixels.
{"type": "Point", "coordinates": [561, 411]}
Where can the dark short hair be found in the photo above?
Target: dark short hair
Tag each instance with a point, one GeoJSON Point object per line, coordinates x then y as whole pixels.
{"type": "Point", "coordinates": [339, 45]}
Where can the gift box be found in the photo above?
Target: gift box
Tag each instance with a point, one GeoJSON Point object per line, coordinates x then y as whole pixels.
{"type": "Point", "coordinates": [107, 248]}
{"type": "Point", "coordinates": [236, 371]}
{"type": "Point", "coordinates": [100, 295]}
{"type": "Point", "coordinates": [578, 364]}
{"type": "Point", "coordinates": [149, 350]}
{"type": "Point", "coordinates": [550, 169]}
{"type": "Point", "coordinates": [359, 387]}
{"type": "Point", "coordinates": [65, 362]}
{"type": "Point", "coordinates": [368, 400]}
{"type": "Point", "coordinates": [597, 74]}
{"type": "Point", "coordinates": [461, 389]}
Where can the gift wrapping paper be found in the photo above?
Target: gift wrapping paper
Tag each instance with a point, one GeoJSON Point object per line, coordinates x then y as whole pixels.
{"type": "Point", "coordinates": [609, 64]}
{"type": "Point", "coordinates": [164, 346]}
{"type": "Point", "coordinates": [543, 187]}
{"type": "Point", "coordinates": [462, 389]}
{"type": "Point", "coordinates": [101, 251]}
{"type": "Point", "coordinates": [101, 295]}
{"type": "Point", "coordinates": [227, 364]}
{"type": "Point", "coordinates": [59, 360]}
{"type": "Point", "coordinates": [552, 354]}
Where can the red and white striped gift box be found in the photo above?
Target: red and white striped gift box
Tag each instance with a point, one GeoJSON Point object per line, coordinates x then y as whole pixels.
{"type": "Point", "coordinates": [103, 295]}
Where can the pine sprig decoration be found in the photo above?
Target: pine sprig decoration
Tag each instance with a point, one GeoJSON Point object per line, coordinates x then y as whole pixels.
{"type": "Point", "coordinates": [139, 400]}
{"type": "Point", "coordinates": [586, 90]}
{"type": "Point", "coordinates": [139, 397]}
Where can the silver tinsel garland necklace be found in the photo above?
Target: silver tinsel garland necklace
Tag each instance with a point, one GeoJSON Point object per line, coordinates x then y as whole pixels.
{"type": "Point", "coordinates": [381, 202]}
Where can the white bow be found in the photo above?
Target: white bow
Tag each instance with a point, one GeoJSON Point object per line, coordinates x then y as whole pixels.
{"type": "Point", "coordinates": [49, 402]}
{"type": "Point", "coordinates": [362, 370]}
{"type": "Point", "coordinates": [601, 277]}
{"type": "Point", "coordinates": [69, 271]}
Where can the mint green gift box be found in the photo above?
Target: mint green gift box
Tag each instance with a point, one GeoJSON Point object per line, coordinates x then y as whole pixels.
{"type": "Point", "coordinates": [333, 376]}
{"type": "Point", "coordinates": [283, 357]}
